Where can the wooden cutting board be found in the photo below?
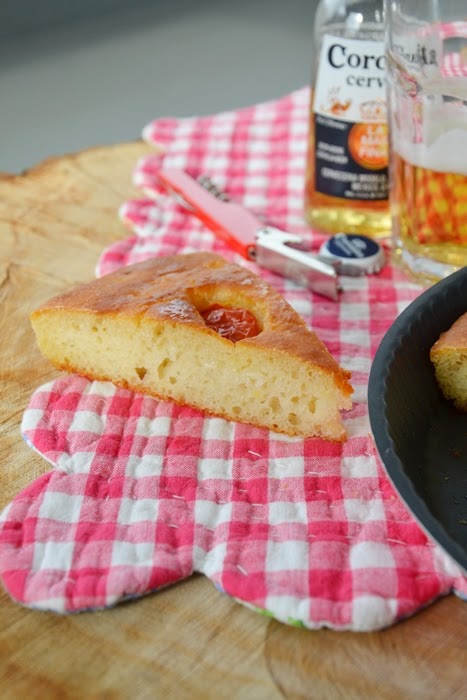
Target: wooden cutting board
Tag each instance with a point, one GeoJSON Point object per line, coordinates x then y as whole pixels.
{"type": "Point", "coordinates": [188, 641]}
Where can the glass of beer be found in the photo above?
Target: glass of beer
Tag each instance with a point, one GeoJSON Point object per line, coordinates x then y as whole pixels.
{"type": "Point", "coordinates": [426, 52]}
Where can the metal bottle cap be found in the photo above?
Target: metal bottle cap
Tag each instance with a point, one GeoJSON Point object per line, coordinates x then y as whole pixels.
{"type": "Point", "coordinates": [352, 254]}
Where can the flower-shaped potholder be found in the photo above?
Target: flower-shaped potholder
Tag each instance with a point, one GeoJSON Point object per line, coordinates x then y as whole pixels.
{"type": "Point", "coordinates": [143, 493]}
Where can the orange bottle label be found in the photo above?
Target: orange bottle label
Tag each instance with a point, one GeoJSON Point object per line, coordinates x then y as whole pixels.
{"type": "Point", "coordinates": [368, 145]}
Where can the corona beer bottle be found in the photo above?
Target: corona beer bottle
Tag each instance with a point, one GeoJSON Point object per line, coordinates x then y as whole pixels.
{"type": "Point", "coordinates": [346, 186]}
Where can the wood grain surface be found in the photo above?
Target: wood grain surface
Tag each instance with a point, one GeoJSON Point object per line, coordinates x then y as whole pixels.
{"type": "Point", "coordinates": [188, 641]}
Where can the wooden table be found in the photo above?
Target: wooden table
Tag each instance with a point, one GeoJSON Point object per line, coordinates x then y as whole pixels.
{"type": "Point", "coordinates": [188, 641]}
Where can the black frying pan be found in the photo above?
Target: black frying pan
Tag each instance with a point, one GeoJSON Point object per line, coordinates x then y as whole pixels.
{"type": "Point", "coordinates": [421, 437]}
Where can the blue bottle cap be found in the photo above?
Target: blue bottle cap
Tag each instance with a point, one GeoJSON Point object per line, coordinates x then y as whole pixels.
{"type": "Point", "coordinates": [355, 254]}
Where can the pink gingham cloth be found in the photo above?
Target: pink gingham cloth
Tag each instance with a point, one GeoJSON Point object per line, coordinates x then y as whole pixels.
{"type": "Point", "coordinates": [143, 492]}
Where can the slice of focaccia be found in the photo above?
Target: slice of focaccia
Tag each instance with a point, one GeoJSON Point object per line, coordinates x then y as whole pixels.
{"type": "Point", "coordinates": [449, 357]}
{"type": "Point", "coordinates": [203, 332]}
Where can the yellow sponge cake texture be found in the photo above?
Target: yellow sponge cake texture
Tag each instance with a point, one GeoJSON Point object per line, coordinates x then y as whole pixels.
{"type": "Point", "coordinates": [142, 328]}
{"type": "Point", "coordinates": [449, 356]}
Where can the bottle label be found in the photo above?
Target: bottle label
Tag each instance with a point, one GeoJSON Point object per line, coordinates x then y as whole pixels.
{"type": "Point", "coordinates": [349, 112]}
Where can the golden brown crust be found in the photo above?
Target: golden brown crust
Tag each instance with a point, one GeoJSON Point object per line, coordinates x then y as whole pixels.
{"type": "Point", "coordinates": [454, 337]}
{"type": "Point", "coordinates": [176, 287]}
{"type": "Point", "coordinates": [449, 358]}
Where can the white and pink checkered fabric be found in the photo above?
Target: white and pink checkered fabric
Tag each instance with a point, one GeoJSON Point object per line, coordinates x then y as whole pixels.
{"type": "Point", "coordinates": [143, 493]}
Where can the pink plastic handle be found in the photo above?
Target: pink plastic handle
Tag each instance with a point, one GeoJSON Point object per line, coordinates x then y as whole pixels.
{"type": "Point", "coordinates": [232, 223]}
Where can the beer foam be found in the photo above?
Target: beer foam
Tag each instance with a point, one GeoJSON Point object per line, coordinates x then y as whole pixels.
{"type": "Point", "coordinates": [442, 141]}
{"type": "Point", "coordinates": [446, 154]}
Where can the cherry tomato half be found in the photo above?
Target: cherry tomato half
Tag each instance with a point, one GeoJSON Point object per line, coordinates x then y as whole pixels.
{"type": "Point", "coordinates": [233, 324]}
